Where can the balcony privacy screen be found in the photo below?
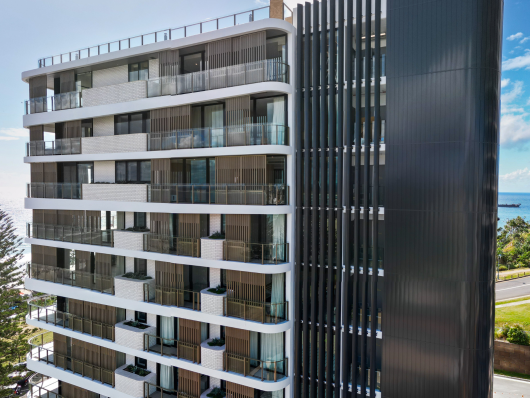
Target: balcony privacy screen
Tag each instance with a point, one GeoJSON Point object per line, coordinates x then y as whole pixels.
{"type": "Point", "coordinates": [44, 255]}
{"type": "Point", "coordinates": [238, 391]}
{"type": "Point", "coordinates": [36, 133]}
{"type": "Point", "coordinates": [38, 86]}
{"type": "Point", "coordinates": [168, 63]}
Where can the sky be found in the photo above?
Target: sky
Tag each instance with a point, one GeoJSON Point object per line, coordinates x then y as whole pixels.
{"type": "Point", "coordinates": [32, 30]}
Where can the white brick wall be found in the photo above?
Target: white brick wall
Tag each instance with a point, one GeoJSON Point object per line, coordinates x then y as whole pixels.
{"type": "Point", "coordinates": [103, 127]}
{"type": "Point", "coordinates": [212, 303]}
{"type": "Point", "coordinates": [212, 357]}
{"type": "Point", "coordinates": [110, 76]}
{"type": "Point", "coordinates": [131, 337]}
{"type": "Point", "coordinates": [215, 223]}
{"type": "Point", "coordinates": [129, 219]}
{"type": "Point", "coordinates": [153, 68]}
{"type": "Point", "coordinates": [118, 93]}
{"type": "Point", "coordinates": [151, 268]}
{"type": "Point", "coordinates": [132, 384]}
{"type": "Point", "coordinates": [212, 249]}
{"type": "Point", "coordinates": [129, 240]}
{"type": "Point", "coordinates": [129, 264]}
{"type": "Point", "coordinates": [215, 331]}
{"type": "Point", "coordinates": [116, 192]}
{"type": "Point", "coordinates": [132, 289]}
{"type": "Point", "coordinates": [105, 171]}
{"type": "Point", "coordinates": [215, 277]}
{"type": "Point", "coordinates": [114, 143]}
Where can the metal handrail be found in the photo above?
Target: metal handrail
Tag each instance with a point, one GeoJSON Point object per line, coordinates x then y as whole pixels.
{"type": "Point", "coordinates": [62, 146]}
{"type": "Point", "coordinates": [264, 253]}
{"type": "Point", "coordinates": [218, 137]}
{"type": "Point", "coordinates": [264, 370]}
{"type": "Point", "coordinates": [158, 36]}
{"type": "Point", "coordinates": [87, 280]}
{"type": "Point", "coordinates": [171, 296]}
{"type": "Point", "coordinates": [57, 102]}
{"type": "Point", "coordinates": [229, 194]}
{"type": "Point", "coordinates": [159, 243]}
{"type": "Point", "coordinates": [54, 190]}
{"type": "Point", "coordinates": [182, 350]}
{"type": "Point", "coordinates": [163, 391]}
{"type": "Point", "coordinates": [66, 362]}
{"type": "Point", "coordinates": [72, 234]}
{"type": "Point", "coordinates": [72, 322]}
{"type": "Point", "coordinates": [255, 310]}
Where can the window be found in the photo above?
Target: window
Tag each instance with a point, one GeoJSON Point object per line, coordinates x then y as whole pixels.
{"type": "Point", "coordinates": [140, 316]}
{"type": "Point", "coordinates": [139, 220]}
{"type": "Point", "coordinates": [139, 71]}
{"type": "Point", "coordinates": [276, 48]}
{"type": "Point", "coordinates": [83, 81]}
{"type": "Point", "coordinates": [140, 266]}
{"type": "Point", "coordinates": [87, 128]}
{"type": "Point", "coordinates": [140, 362]}
{"type": "Point", "coordinates": [133, 123]}
{"type": "Point", "coordinates": [192, 63]}
{"type": "Point", "coordinates": [134, 172]}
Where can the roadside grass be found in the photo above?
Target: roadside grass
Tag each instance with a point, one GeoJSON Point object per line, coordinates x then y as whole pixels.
{"type": "Point", "coordinates": [517, 314]}
{"type": "Point", "coordinates": [512, 374]}
{"type": "Point", "coordinates": [512, 300]}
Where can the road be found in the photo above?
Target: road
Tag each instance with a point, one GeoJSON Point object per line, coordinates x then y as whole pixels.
{"type": "Point", "coordinates": [510, 388]}
{"type": "Point", "coordinates": [512, 289]}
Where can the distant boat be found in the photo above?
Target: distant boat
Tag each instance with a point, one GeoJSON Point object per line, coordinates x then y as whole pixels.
{"type": "Point", "coordinates": [511, 205]}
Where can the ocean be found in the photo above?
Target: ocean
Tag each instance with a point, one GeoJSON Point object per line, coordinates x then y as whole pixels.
{"type": "Point", "coordinates": [15, 207]}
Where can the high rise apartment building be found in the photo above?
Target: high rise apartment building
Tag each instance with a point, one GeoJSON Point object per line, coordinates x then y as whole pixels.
{"type": "Point", "coordinates": [270, 205]}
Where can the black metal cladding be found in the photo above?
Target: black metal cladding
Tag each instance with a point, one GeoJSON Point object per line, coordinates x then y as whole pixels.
{"type": "Point", "coordinates": [443, 83]}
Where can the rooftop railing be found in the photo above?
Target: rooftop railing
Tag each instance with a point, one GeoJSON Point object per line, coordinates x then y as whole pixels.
{"type": "Point", "coordinates": [163, 35]}
{"type": "Point", "coordinates": [40, 351]}
{"type": "Point", "coordinates": [255, 310]}
{"type": "Point", "coordinates": [264, 370]}
{"type": "Point", "coordinates": [219, 137]}
{"type": "Point", "coordinates": [226, 194]}
{"type": "Point", "coordinates": [86, 280]}
{"type": "Point", "coordinates": [72, 234]}
{"type": "Point", "coordinates": [70, 321]}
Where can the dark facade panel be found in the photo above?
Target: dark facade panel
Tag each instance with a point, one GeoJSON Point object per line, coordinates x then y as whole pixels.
{"type": "Point", "coordinates": [443, 84]}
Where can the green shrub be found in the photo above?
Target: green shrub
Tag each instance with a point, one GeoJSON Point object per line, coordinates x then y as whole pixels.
{"type": "Point", "coordinates": [216, 342]}
{"type": "Point", "coordinates": [217, 290]}
{"type": "Point", "coordinates": [216, 393]}
{"type": "Point", "coordinates": [217, 235]}
{"type": "Point", "coordinates": [502, 332]}
{"type": "Point", "coordinates": [133, 275]}
{"type": "Point", "coordinates": [517, 335]}
{"type": "Point", "coordinates": [503, 268]}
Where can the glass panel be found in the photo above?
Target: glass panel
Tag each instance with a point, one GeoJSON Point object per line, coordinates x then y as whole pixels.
{"type": "Point", "coordinates": [276, 48]}
{"type": "Point", "coordinates": [213, 116]}
{"type": "Point", "coordinates": [261, 14]}
{"type": "Point", "coordinates": [136, 41]}
{"type": "Point", "coordinates": [226, 22]}
{"type": "Point", "coordinates": [136, 123]}
{"type": "Point", "coordinates": [115, 46]}
{"type": "Point", "coordinates": [86, 128]}
{"type": "Point", "coordinates": [145, 171]}
{"type": "Point", "coordinates": [191, 63]}
{"type": "Point", "coordinates": [196, 117]}
{"type": "Point", "coordinates": [177, 33]}
{"type": "Point", "coordinates": [149, 39]}
{"type": "Point", "coordinates": [124, 44]}
{"type": "Point", "coordinates": [140, 220]}
{"type": "Point", "coordinates": [193, 30]}
{"type": "Point", "coordinates": [104, 48]}
{"type": "Point", "coordinates": [121, 171]}
{"type": "Point", "coordinates": [85, 173]}
{"type": "Point", "coordinates": [122, 124]}
{"type": "Point", "coordinates": [271, 110]}
{"type": "Point", "coordinates": [198, 171]}
{"type": "Point", "coordinates": [144, 71]}
{"type": "Point", "coordinates": [132, 171]}
{"type": "Point", "coordinates": [244, 17]}
{"type": "Point", "coordinates": [209, 26]}
{"type": "Point", "coordinates": [83, 81]}
{"type": "Point", "coordinates": [84, 53]}
{"type": "Point", "coordinates": [133, 72]}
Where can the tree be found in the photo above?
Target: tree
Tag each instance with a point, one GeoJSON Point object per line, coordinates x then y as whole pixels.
{"type": "Point", "coordinates": [513, 242]}
{"type": "Point", "coordinates": [13, 331]}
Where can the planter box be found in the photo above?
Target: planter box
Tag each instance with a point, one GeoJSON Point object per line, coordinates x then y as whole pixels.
{"type": "Point", "coordinates": [212, 249]}
{"type": "Point", "coordinates": [511, 357]}
{"type": "Point", "coordinates": [212, 303]}
{"type": "Point", "coordinates": [129, 240]}
{"type": "Point", "coordinates": [130, 383]}
{"type": "Point", "coordinates": [212, 357]}
{"type": "Point", "coordinates": [132, 289]}
{"type": "Point", "coordinates": [129, 336]}
{"type": "Point", "coordinates": [114, 144]}
{"type": "Point", "coordinates": [115, 192]}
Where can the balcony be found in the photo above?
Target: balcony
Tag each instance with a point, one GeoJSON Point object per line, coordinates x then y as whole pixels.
{"type": "Point", "coordinates": [172, 297]}
{"type": "Point", "coordinates": [71, 234]}
{"type": "Point", "coordinates": [224, 194]}
{"type": "Point", "coordinates": [169, 34]}
{"type": "Point", "coordinates": [65, 146]}
{"type": "Point", "coordinates": [269, 70]}
{"type": "Point", "coordinates": [155, 391]}
{"type": "Point", "coordinates": [86, 280]}
{"type": "Point", "coordinates": [255, 311]}
{"type": "Point", "coordinates": [167, 244]}
{"type": "Point", "coordinates": [50, 315]}
{"type": "Point", "coordinates": [172, 347]}
{"type": "Point", "coordinates": [229, 136]}
{"type": "Point", "coordinates": [42, 350]}
{"type": "Point", "coordinates": [263, 253]}
{"type": "Point", "coordinates": [264, 370]}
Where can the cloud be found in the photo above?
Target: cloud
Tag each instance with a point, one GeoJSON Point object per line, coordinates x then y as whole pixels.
{"type": "Point", "coordinates": [515, 129]}
{"type": "Point", "coordinates": [517, 175]}
{"type": "Point", "coordinates": [524, 40]}
{"type": "Point", "coordinates": [11, 134]}
{"type": "Point", "coordinates": [522, 61]}
{"type": "Point", "coordinates": [505, 82]}
{"type": "Point", "coordinates": [513, 94]}
{"type": "Point", "coordinates": [515, 36]}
